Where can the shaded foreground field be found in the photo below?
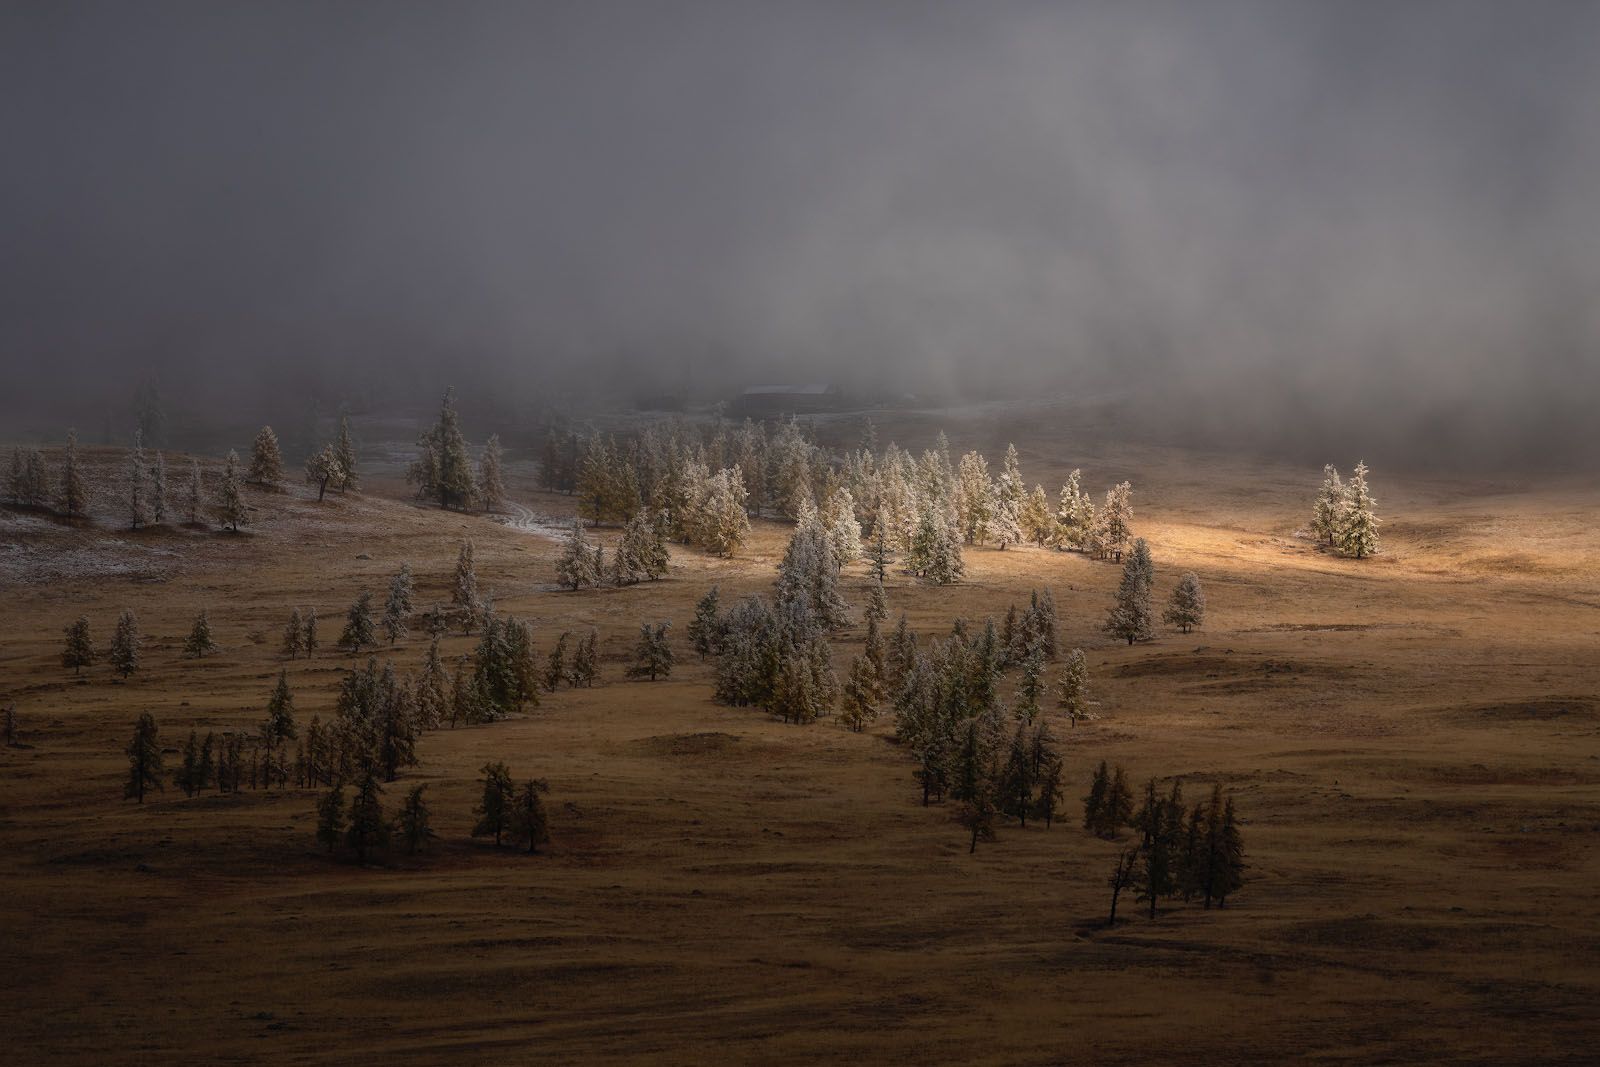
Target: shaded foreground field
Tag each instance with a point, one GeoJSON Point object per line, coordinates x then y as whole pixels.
{"type": "Point", "coordinates": [1414, 744]}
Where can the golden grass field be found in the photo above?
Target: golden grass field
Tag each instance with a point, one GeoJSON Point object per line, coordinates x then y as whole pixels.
{"type": "Point", "coordinates": [1413, 742]}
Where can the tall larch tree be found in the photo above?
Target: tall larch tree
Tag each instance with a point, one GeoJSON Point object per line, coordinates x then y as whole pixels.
{"type": "Point", "coordinates": [529, 823]}
{"type": "Point", "coordinates": [144, 760]}
{"type": "Point", "coordinates": [230, 497]}
{"type": "Point", "coordinates": [125, 644]}
{"type": "Point", "coordinates": [443, 468]}
{"type": "Point", "coordinates": [158, 490]}
{"type": "Point", "coordinates": [1132, 617]}
{"type": "Point", "coordinates": [79, 650]}
{"type": "Point", "coordinates": [1358, 526]}
{"type": "Point", "coordinates": [1327, 514]}
{"type": "Point", "coordinates": [491, 479]}
{"type": "Point", "coordinates": [358, 628]}
{"type": "Point", "coordinates": [195, 500]}
{"type": "Point", "coordinates": [464, 589]}
{"type": "Point", "coordinates": [344, 449]}
{"type": "Point", "coordinates": [74, 486]}
{"type": "Point", "coordinates": [398, 607]}
{"type": "Point", "coordinates": [199, 643]}
{"type": "Point", "coordinates": [266, 460]}
{"type": "Point", "coordinates": [494, 809]}
{"type": "Point", "coordinates": [1187, 609]}
{"type": "Point", "coordinates": [368, 829]}
{"type": "Point", "coordinates": [138, 490]}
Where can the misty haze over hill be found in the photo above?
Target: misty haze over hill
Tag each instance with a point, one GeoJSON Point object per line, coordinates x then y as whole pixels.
{"type": "Point", "coordinates": [1361, 226]}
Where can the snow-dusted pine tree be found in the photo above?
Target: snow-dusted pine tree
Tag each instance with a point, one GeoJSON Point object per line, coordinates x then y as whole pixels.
{"type": "Point", "coordinates": [464, 591]}
{"type": "Point", "coordinates": [125, 644]}
{"type": "Point", "coordinates": [138, 509]}
{"type": "Point", "coordinates": [345, 449]}
{"type": "Point", "coordinates": [158, 490]}
{"type": "Point", "coordinates": [576, 568]}
{"type": "Point", "coordinates": [230, 498]}
{"type": "Point", "coordinates": [974, 497]}
{"type": "Point", "coordinates": [1132, 617]}
{"type": "Point", "coordinates": [358, 629]}
{"type": "Point", "coordinates": [398, 607]}
{"type": "Point", "coordinates": [1074, 513]}
{"type": "Point", "coordinates": [74, 486]}
{"type": "Point", "coordinates": [1188, 607]}
{"type": "Point", "coordinates": [1358, 526]}
{"type": "Point", "coordinates": [1116, 520]}
{"type": "Point", "coordinates": [199, 643]}
{"type": "Point", "coordinates": [491, 481]}
{"type": "Point", "coordinates": [809, 572]}
{"type": "Point", "coordinates": [844, 531]}
{"type": "Point", "coordinates": [266, 461]}
{"type": "Point", "coordinates": [1072, 690]}
{"type": "Point", "coordinates": [196, 496]}
{"type": "Point", "coordinates": [1327, 514]}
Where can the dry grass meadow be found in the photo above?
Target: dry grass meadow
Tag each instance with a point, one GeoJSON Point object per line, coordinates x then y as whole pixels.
{"type": "Point", "coordinates": [1413, 742]}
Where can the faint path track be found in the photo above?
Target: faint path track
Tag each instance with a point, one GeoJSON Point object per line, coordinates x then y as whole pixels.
{"type": "Point", "coordinates": [521, 517]}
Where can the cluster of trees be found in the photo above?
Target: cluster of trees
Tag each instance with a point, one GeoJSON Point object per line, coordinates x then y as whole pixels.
{"type": "Point", "coordinates": [1195, 854]}
{"type": "Point", "coordinates": [443, 470]}
{"type": "Point", "coordinates": [1132, 614]}
{"type": "Point", "coordinates": [704, 487]}
{"type": "Point", "coordinates": [78, 650]}
{"type": "Point", "coordinates": [333, 466]}
{"type": "Point", "coordinates": [1345, 516]}
{"type": "Point", "coordinates": [147, 492]}
{"type": "Point", "coordinates": [641, 555]}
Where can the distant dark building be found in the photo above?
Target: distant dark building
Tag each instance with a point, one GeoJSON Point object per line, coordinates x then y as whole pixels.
{"type": "Point", "coordinates": [769, 401]}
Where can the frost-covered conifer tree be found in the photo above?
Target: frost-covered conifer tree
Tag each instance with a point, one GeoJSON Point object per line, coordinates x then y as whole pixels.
{"type": "Point", "coordinates": [323, 470]}
{"type": "Point", "coordinates": [1074, 513]}
{"type": "Point", "coordinates": [345, 450]}
{"type": "Point", "coordinates": [398, 607]}
{"type": "Point", "coordinates": [79, 651]}
{"type": "Point", "coordinates": [443, 469]}
{"type": "Point", "coordinates": [641, 551]}
{"type": "Point", "coordinates": [138, 509]}
{"type": "Point", "coordinates": [196, 497]}
{"type": "Point", "coordinates": [1131, 617]}
{"type": "Point", "coordinates": [266, 461]}
{"type": "Point", "coordinates": [491, 481]}
{"type": "Point", "coordinates": [859, 698]}
{"type": "Point", "coordinates": [293, 637]}
{"type": "Point", "coordinates": [810, 572]}
{"type": "Point", "coordinates": [844, 531]}
{"type": "Point", "coordinates": [1188, 607]}
{"type": "Point", "coordinates": [1358, 526]}
{"type": "Point", "coordinates": [1328, 513]}
{"type": "Point", "coordinates": [199, 643]}
{"type": "Point", "coordinates": [74, 486]}
{"type": "Point", "coordinates": [974, 498]}
{"type": "Point", "coordinates": [725, 522]}
{"type": "Point", "coordinates": [1005, 522]}
{"type": "Point", "coordinates": [1116, 520]}
{"type": "Point", "coordinates": [1038, 525]}
{"type": "Point", "coordinates": [125, 645]}
{"type": "Point", "coordinates": [653, 654]}
{"type": "Point", "coordinates": [1072, 690]}
{"type": "Point", "coordinates": [230, 498]}
{"type": "Point", "coordinates": [464, 592]}
{"type": "Point", "coordinates": [358, 630]}
{"type": "Point", "coordinates": [576, 568]}
{"type": "Point", "coordinates": [158, 490]}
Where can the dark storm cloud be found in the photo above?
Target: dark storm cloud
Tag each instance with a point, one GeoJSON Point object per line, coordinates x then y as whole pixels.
{"type": "Point", "coordinates": [1267, 216]}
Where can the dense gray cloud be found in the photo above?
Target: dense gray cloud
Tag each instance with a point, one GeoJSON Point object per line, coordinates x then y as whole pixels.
{"type": "Point", "coordinates": [1273, 218]}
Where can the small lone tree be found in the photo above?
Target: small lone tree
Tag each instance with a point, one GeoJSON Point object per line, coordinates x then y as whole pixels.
{"type": "Point", "coordinates": [491, 481]}
{"type": "Point", "coordinates": [158, 490]}
{"type": "Point", "coordinates": [323, 470]}
{"type": "Point", "coordinates": [125, 645]}
{"type": "Point", "coordinates": [494, 810]}
{"type": "Point", "coordinates": [1132, 617]}
{"type": "Point", "coordinates": [144, 759]}
{"type": "Point", "coordinates": [528, 820]}
{"type": "Point", "coordinates": [344, 450]}
{"type": "Point", "coordinates": [138, 505]}
{"type": "Point", "coordinates": [199, 642]}
{"type": "Point", "coordinates": [196, 496]}
{"type": "Point", "coordinates": [1358, 527]}
{"type": "Point", "coordinates": [74, 487]}
{"type": "Point", "coordinates": [309, 642]}
{"type": "Point", "coordinates": [294, 635]}
{"type": "Point", "coordinates": [330, 817]}
{"type": "Point", "coordinates": [358, 630]}
{"type": "Point", "coordinates": [977, 816]}
{"type": "Point", "coordinates": [266, 460]}
{"type": "Point", "coordinates": [368, 829]}
{"type": "Point", "coordinates": [1188, 607]}
{"type": "Point", "coordinates": [1072, 690]}
{"type": "Point", "coordinates": [652, 655]}
{"type": "Point", "coordinates": [398, 607]}
{"type": "Point", "coordinates": [79, 651]}
{"type": "Point", "coordinates": [231, 511]}
{"type": "Point", "coordinates": [413, 822]}
{"type": "Point", "coordinates": [579, 564]}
